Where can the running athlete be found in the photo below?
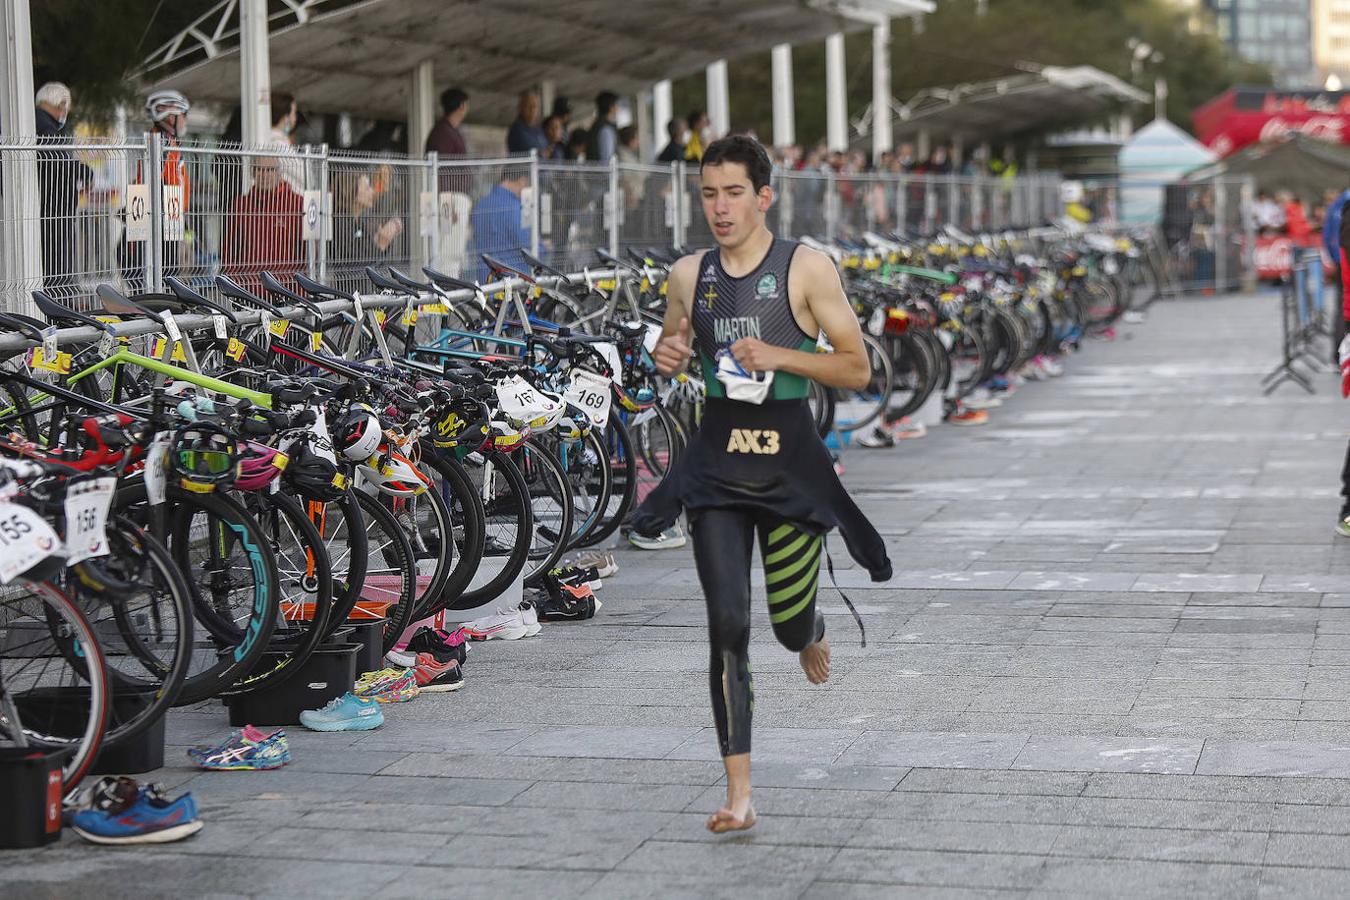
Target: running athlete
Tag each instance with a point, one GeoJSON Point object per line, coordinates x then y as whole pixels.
{"type": "Point", "coordinates": [757, 306]}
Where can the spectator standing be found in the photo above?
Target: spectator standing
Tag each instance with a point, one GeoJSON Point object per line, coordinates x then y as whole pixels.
{"type": "Point", "coordinates": [263, 232]}
{"type": "Point", "coordinates": [576, 146]}
{"type": "Point", "coordinates": [1268, 214]}
{"type": "Point", "coordinates": [603, 141]}
{"type": "Point", "coordinates": [555, 133]}
{"type": "Point", "coordinates": [525, 134]}
{"type": "Point", "coordinates": [364, 233]}
{"type": "Point", "coordinates": [562, 109]}
{"type": "Point", "coordinates": [59, 177]}
{"type": "Point", "coordinates": [168, 113]}
{"type": "Point", "coordinates": [631, 178]}
{"type": "Point", "coordinates": [446, 141]}
{"type": "Point", "coordinates": [285, 115]}
{"type": "Point", "coordinates": [699, 126]}
{"type": "Point", "coordinates": [497, 229]}
{"type": "Point", "coordinates": [674, 150]}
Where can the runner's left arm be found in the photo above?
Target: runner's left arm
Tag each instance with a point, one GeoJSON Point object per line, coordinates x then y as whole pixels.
{"type": "Point", "coordinates": [847, 366]}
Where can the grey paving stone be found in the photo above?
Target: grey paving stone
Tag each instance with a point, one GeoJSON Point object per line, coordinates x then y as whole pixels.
{"type": "Point", "coordinates": [623, 742]}
{"type": "Point", "coordinates": [955, 835]}
{"type": "Point", "coordinates": [608, 796]}
{"type": "Point", "coordinates": [1293, 758]}
{"type": "Point", "coordinates": [1113, 878]}
{"type": "Point", "coordinates": [934, 749]}
{"type": "Point", "coordinates": [927, 867]}
{"type": "Point", "coordinates": [1096, 754]}
{"type": "Point", "coordinates": [482, 883]}
{"type": "Point", "coordinates": [1172, 844]}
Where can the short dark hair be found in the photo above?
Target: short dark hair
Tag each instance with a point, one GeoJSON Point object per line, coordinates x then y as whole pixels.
{"type": "Point", "coordinates": [694, 116]}
{"type": "Point", "coordinates": [675, 128]}
{"type": "Point", "coordinates": [606, 101]}
{"type": "Point", "coordinates": [747, 151]}
{"type": "Point", "coordinates": [627, 133]}
{"type": "Point", "coordinates": [452, 99]}
{"type": "Point", "coordinates": [578, 138]}
{"type": "Point", "coordinates": [281, 106]}
{"type": "Point", "coordinates": [562, 107]}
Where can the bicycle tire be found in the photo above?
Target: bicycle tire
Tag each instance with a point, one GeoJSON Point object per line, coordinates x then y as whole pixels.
{"type": "Point", "coordinates": [551, 503]}
{"type": "Point", "coordinates": [466, 514]}
{"type": "Point", "coordinates": [508, 519]}
{"type": "Point", "coordinates": [623, 470]}
{"type": "Point", "coordinates": [391, 570]}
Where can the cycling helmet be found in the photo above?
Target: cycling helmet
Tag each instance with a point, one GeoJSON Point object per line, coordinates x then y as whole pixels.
{"type": "Point", "coordinates": [203, 455]}
{"type": "Point", "coordinates": [739, 384]}
{"type": "Point", "coordinates": [459, 421]}
{"type": "Point", "coordinates": [315, 477]}
{"type": "Point", "coordinates": [259, 466]}
{"type": "Point", "coordinates": [637, 401]}
{"type": "Point", "coordinates": [162, 104]}
{"type": "Point", "coordinates": [393, 474]}
{"type": "Point", "coordinates": [357, 434]}
{"type": "Point", "coordinates": [506, 437]}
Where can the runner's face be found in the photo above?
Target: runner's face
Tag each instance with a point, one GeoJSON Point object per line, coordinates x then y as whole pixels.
{"type": "Point", "coordinates": [730, 204]}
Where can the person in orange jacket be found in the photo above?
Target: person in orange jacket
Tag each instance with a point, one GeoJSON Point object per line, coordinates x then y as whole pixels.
{"type": "Point", "coordinates": [168, 111]}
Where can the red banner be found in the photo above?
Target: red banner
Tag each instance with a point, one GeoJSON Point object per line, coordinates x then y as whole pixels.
{"type": "Point", "coordinates": [1274, 257]}
{"type": "Point", "coordinates": [1244, 116]}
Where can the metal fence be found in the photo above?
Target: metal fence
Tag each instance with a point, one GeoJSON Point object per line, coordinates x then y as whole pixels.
{"type": "Point", "coordinates": [73, 215]}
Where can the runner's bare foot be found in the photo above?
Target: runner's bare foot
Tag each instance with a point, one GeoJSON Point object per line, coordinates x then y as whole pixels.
{"type": "Point", "coordinates": [736, 815]}
{"type": "Point", "coordinates": [816, 661]}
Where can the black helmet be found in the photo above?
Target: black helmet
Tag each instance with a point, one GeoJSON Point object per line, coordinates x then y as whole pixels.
{"type": "Point", "coordinates": [315, 477]}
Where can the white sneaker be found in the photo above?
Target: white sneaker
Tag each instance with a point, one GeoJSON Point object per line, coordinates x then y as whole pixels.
{"type": "Point", "coordinates": [505, 624]}
{"type": "Point", "coordinates": [401, 658]}
{"type": "Point", "coordinates": [1051, 367]}
{"type": "Point", "coordinates": [982, 398]}
{"type": "Point", "coordinates": [604, 564]}
{"type": "Point", "coordinates": [530, 616]}
{"type": "Point", "coordinates": [670, 539]}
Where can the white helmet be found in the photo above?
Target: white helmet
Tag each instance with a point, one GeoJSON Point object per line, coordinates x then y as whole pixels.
{"type": "Point", "coordinates": [394, 475]}
{"type": "Point", "coordinates": [162, 104]}
{"type": "Point", "coordinates": [357, 434]}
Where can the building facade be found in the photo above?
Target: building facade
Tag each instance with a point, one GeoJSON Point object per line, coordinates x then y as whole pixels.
{"type": "Point", "coordinates": [1331, 39]}
{"type": "Point", "coordinates": [1278, 33]}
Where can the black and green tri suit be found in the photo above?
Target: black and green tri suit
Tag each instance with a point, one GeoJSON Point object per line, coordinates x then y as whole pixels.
{"type": "Point", "coordinates": [756, 468]}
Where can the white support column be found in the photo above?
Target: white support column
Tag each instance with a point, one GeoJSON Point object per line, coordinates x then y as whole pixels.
{"type": "Point", "coordinates": [255, 73]}
{"type": "Point", "coordinates": [663, 110]}
{"type": "Point", "coordinates": [836, 98]}
{"type": "Point", "coordinates": [647, 139]}
{"type": "Point", "coordinates": [882, 139]}
{"type": "Point", "coordinates": [421, 105]}
{"type": "Point", "coordinates": [20, 247]}
{"type": "Point", "coordinates": [719, 98]}
{"type": "Point", "coordinates": [784, 110]}
{"type": "Point", "coordinates": [548, 89]}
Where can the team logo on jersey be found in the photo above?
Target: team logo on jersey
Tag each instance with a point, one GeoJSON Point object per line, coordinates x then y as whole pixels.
{"type": "Point", "coordinates": [753, 440]}
{"type": "Point", "coordinates": [767, 286]}
{"type": "Point", "coordinates": [710, 295]}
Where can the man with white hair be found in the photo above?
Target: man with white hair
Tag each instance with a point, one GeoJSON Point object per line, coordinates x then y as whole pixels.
{"type": "Point", "coordinates": [59, 177]}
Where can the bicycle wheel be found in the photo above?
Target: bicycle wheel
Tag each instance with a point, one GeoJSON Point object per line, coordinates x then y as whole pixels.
{"type": "Point", "coordinates": [425, 520]}
{"type": "Point", "coordinates": [550, 496]}
{"type": "Point", "coordinates": [50, 697]}
{"type": "Point", "coordinates": [618, 446]}
{"type": "Point", "coordinates": [508, 523]}
{"type": "Point", "coordinates": [342, 527]}
{"type": "Point", "coordinates": [304, 579]}
{"type": "Point", "coordinates": [233, 587]}
{"type": "Point", "coordinates": [856, 409]}
{"type": "Point", "coordinates": [140, 607]}
{"type": "Point", "coordinates": [585, 463]}
{"type": "Point", "coordinates": [453, 485]}
{"type": "Point", "coordinates": [914, 365]}
{"type": "Point", "coordinates": [390, 584]}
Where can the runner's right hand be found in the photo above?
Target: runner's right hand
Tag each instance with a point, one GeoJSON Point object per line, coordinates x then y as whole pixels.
{"type": "Point", "coordinates": [672, 351]}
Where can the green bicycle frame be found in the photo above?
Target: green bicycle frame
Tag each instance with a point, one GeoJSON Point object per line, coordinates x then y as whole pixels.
{"type": "Point", "coordinates": [206, 382]}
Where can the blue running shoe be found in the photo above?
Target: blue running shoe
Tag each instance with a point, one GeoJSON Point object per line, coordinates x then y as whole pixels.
{"type": "Point", "coordinates": [145, 817]}
{"type": "Point", "coordinates": [346, 713]}
{"type": "Point", "coordinates": [248, 749]}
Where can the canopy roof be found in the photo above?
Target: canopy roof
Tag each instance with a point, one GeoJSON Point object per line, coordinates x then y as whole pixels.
{"type": "Point", "coordinates": [1162, 150]}
{"type": "Point", "coordinates": [1299, 163]}
{"type": "Point", "coordinates": [355, 55]}
{"type": "Point", "coordinates": [1052, 96]}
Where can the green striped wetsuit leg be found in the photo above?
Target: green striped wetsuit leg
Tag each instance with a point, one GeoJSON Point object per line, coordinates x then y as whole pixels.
{"type": "Point", "coordinates": [791, 557]}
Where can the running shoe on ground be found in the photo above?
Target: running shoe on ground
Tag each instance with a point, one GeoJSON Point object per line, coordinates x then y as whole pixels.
{"type": "Point", "coordinates": [968, 417]}
{"type": "Point", "coordinates": [1343, 527]}
{"type": "Point", "coordinates": [877, 438]}
{"type": "Point", "coordinates": [981, 398]}
{"type": "Point", "coordinates": [140, 816]}
{"type": "Point", "coordinates": [604, 563]}
{"type": "Point", "coordinates": [1001, 385]}
{"type": "Point", "coordinates": [346, 713]}
{"type": "Point", "coordinates": [577, 575]}
{"type": "Point", "coordinates": [1049, 366]}
{"type": "Point", "coordinates": [670, 539]}
{"type": "Point", "coordinates": [504, 624]}
{"type": "Point", "coordinates": [437, 674]}
{"type": "Point", "coordinates": [907, 430]}
{"type": "Point", "coordinates": [388, 685]}
{"type": "Point", "coordinates": [567, 602]}
{"type": "Point", "coordinates": [529, 613]}
{"type": "Point", "coordinates": [400, 658]}
{"type": "Point", "coordinates": [246, 749]}
{"type": "Point", "coordinates": [441, 642]}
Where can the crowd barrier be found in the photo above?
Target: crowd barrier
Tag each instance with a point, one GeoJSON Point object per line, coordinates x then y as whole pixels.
{"type": "Point", "coordinates": [130, 213]}
{"type": "Point", "coordinates": [1305, 323]}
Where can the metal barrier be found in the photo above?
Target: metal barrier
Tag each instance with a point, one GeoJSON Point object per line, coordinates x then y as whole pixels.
{"type": "Point", "coordinates": [1304, 323]}
{"type": "Point", "coordinates": [77, 214]}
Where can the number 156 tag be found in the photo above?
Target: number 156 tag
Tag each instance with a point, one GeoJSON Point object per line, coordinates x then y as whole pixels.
{"type": "Point", "coordinates": [87, 505]}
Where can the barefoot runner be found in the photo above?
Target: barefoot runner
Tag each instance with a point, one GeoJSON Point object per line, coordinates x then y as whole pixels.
{"type": "Point", "coordinates": [756, 464]}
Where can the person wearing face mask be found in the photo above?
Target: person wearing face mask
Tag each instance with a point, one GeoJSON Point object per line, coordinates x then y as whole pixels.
{"type": "Point", "coordinates": [285, 117]}
{"type": "Point", "coordinates": [674, 150]}
{"type": "Point", "coordinates": [59, 178]}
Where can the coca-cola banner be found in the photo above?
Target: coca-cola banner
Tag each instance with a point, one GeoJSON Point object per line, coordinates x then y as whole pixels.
{"type": "Point", "coordinates": [1242, 116]}
{"type": "Point", "coordinates": [1274, 257]}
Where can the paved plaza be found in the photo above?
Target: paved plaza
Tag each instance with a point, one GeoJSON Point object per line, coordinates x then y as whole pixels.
{"type": "Point", "coordinates": [1114, 661]}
